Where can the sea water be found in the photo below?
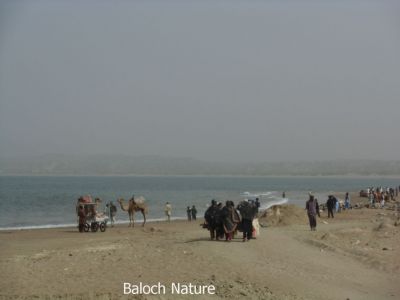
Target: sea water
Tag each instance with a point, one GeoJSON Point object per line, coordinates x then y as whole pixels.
{"type": "Point", "coordinates": [49, 201]}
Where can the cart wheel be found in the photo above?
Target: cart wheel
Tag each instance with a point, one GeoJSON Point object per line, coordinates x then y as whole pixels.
{"type": "Point", "coordinates": [95, 226]}
{"type": "Point", "coordinates": [103, 227]}
{"type": "Point", "coordinates": [86, 227]}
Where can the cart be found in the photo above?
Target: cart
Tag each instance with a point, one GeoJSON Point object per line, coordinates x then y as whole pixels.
{"type": "Point", "coordinates": [93, 220]}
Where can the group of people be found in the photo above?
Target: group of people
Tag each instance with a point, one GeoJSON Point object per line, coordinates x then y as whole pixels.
{"type": "Point", "coordinates": [225, 221]}
{"type": "Point", "coordinates": [191, 213]}
{"type": "Point", "coordinates": [332, 204]}
{"type": "Point", "coordinates": [378, 196]}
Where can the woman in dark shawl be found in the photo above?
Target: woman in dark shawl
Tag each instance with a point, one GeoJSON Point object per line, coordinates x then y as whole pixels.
{"type": "Point", "coordinates": [230, 219]}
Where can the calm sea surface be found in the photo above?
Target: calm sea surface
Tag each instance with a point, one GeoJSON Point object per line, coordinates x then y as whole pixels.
{"type": "Point", "coordinates": [30, 201]}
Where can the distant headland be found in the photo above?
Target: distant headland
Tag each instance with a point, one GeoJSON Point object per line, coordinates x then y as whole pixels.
{"type": "Point", "coordinates": [96, 164]}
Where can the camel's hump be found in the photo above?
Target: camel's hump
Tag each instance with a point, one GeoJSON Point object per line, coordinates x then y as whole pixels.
{"type": "Point", "coordinates": [140, 200]}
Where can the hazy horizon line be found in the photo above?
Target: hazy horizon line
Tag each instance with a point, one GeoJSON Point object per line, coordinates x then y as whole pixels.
{"type": "Point", "coordinates": [81, 155]}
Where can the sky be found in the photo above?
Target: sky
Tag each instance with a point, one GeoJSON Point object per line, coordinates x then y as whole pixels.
{"type": "Point", "coordinates": [233, 81]}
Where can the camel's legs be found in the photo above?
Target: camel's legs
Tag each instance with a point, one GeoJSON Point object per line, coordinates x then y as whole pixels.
{"type": "Point", "coordinates": [144, 218]}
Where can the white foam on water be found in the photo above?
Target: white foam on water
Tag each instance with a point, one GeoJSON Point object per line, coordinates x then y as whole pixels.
{"type": "Point", "coordinates": [49, 226]}
{"type": "Point", "coordinates": [38, 227]}
{"type": "Point", "coordinates": [274, 202]}
{"type": "Point", "coordinates": [267, 199]}
{"type": "Point", "coordinates": [250, 195]}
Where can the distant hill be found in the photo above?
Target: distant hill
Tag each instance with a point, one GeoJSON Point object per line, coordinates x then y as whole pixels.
{"type": "Point", "coordinates": [157, 165]}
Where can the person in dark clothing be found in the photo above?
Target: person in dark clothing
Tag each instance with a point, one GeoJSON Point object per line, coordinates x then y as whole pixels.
{"type": "Point", "coordinates": [189, 213]}
{"type": "Point", "coordinates": [219, 222]}
{"type": "Point", "coordinates": [112, 211]}
{"type": "Point", "coordinates": [347, 201]}
{"type": "Point", "coordinates": [311, 207]}
{"type": "Point", "coordinates": [247, 211]}
{"type": "Point", "coordinates": [82, 218]}
{"type": "Point", "coordinates": [330, 204]}
{"type": "Point", "coordinates": [212, 218]}
{"type": "Point", "coordinates": [194, 212]}
{"type": "Point", "coordinates": [230, 220]}
{"type": "Point", "coordinates": [257, 204]}
{"type": "Point", "coordinates": [316, 200]}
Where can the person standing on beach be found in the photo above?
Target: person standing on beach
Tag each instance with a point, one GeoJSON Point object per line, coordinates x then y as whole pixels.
{"type": "Point", "coordinates": [189, 213]}
{"type": "Point", "coordinates": [219, 226]}
{"type": "Point", "coordinates": [82, 218]}
{"type": "Point", "coordinates": [211, 219]}
{"type": "Point", "coordinates": [318, 213]}
{"type": "Point", "coordinates": [347, 201]}
{"type": "Point", "coordinates": [311, 207]}
{"type": "Point", "coordinates": [330, 204]}
{"type": "Point", "coordinates": [257, 204]}
{"type": "Point", "coordinates": [382, 204]}
{"type": "Point", "coordinates": [255, 223]}
{"type": "Point", "coordinates": [168, 210]}
{"type": "Point", "coordinates": [337, 205]}
{"type": "Point", "coordinates": [247, 211]}
{"type": "Point", "coordinates": [111, 211]}
{"type": "Point", "coordinates": [371, 199]}
{"type": "Point", "coordinates": [194, 212]}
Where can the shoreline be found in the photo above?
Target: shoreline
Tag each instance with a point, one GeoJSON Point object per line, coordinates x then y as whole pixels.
{"type": "Point", "coordinates": [73, 226]}
{"type": "Point", "coordinates": [267, 205]}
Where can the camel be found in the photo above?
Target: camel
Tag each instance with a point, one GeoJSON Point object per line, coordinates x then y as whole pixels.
{"type": "Point", "coordinates": [134, 206]}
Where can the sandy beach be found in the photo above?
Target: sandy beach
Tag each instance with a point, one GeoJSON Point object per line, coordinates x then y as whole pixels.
{"type": "Point", "coordinates": [353, 256]}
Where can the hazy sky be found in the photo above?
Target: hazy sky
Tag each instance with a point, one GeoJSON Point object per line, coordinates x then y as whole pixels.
{"type": "Point", "coordinates": [214, 80]}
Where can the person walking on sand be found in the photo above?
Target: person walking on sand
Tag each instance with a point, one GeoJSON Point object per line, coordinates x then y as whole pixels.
{"type": "Point", "coordinates": [194, 213]}
{"type": "Point", "coordinates": [189, 213]}
{"type": "Point", "coordinates": [230, 219]}
{"type": "Point", "coordinates": [168, 210]}
{"type": "Point", "coordinates": [311, 207]}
